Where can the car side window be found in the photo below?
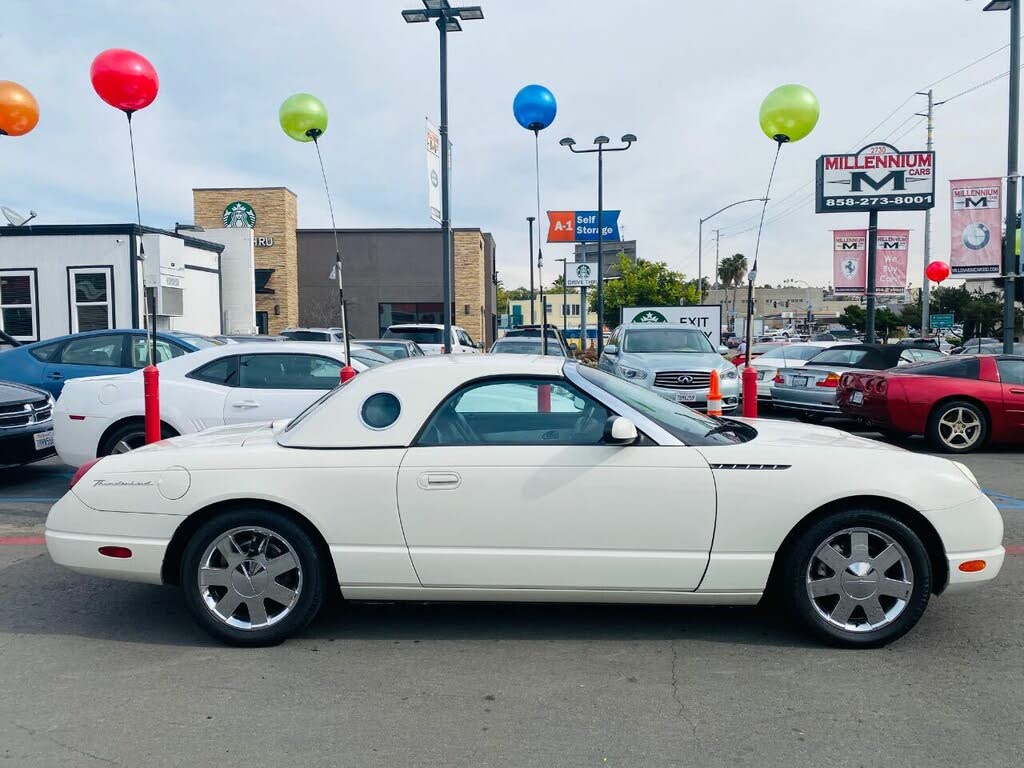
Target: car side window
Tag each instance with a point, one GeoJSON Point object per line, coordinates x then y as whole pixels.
{"type": "Point", "coordinates": [165, 350]}
{"type": "Point", "coordinates": [223, 372]}
{"type": "Point", "coordinates": [287, 371]}
{"type": "Point", "coordinates": [103, 350]}
{"type": "Point", "coordinates": [517, 412]}
{"type": "Point", "coordinates": [464, 339]}
{"type": "Point", "coordinates": [1011, 371]}
{"type": "Point", "coordinates": [45, 353]}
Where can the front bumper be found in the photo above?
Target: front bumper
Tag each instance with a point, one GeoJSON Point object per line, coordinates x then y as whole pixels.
{"type": "Point", "coordinates": [730, 396]}
{"type": "Point", "coordinates": [18, 446]}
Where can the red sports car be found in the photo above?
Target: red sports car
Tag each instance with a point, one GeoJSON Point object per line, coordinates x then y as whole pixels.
{"type": "Point", "coordinates": [959, 402]}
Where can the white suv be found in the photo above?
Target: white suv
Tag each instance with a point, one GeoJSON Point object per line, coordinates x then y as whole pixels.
{"type": "Point", "coordinates": [430, 337]}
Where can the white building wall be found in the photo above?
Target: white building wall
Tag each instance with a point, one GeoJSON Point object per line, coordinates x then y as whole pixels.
{"type": "Point", "coordinates": [199, 270]}
{"type": "Point", "coordinates": [238, 277]}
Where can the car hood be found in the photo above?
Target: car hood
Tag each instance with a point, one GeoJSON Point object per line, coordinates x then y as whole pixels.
{"type": "Point", "coordinates": [672, 361]}
{"type": "Point", "coordinates": [15, 394]}
{"type": "Point", "coordinates": [790, 434]}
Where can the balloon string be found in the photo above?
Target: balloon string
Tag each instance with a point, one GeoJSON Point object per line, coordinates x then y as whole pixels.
{"type": "Point", "coordinates": [135, 175]}
{"type": "Point", "coordinates": [764, 205]}
{"type": "Point", "coordinates": [150, 331]}
{"type": "Point", "coordinates": [337, 252]}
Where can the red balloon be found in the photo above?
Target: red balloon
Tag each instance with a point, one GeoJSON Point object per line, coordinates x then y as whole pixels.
{"type": "Point", "coordinates": [124, 79]}
{"type": "Point", "coordinates": [937, 271]}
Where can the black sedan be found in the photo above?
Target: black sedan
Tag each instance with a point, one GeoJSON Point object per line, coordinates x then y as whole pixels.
{"type": "Point", "coordinates": [26, 424]}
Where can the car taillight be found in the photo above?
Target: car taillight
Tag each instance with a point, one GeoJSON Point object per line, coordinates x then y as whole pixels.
{"type": "Point", "coordinates": [832, 380]}
{"type": "Point", "coordinates": [778, 379]}
{"type": "Point", "coordinates": [881, 385]}
{"type": "Point", "coordinates": [80, 472]}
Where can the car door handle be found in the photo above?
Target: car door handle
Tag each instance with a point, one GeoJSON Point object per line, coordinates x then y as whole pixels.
{"type": "Point", "coordinates": [245, 404]}
{"type": "Point", "coordinates": [54, 375]}
{"type": "Point", "coordinates": [439, 481]}
{"type": "Point", "coordinates": [1016, 391]}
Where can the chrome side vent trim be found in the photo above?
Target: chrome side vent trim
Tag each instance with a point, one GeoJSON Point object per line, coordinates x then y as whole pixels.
{"type": "Point", "coordinates": [751, 466]}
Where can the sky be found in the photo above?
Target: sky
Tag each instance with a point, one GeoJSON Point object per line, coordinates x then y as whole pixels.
{"type": "Point", "coordinates": [686, 77]}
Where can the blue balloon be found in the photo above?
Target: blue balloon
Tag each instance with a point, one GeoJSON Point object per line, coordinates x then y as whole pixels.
{"type": "Point", "coordinates": [534, 107]}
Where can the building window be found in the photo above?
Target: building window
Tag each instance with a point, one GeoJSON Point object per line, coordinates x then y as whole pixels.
{"type": "Point", "coordinates": [91, 300]}
{"type": "Point", "coordinates": [393, 313]}
{"type": "Point", "coordinates": [18, 311]}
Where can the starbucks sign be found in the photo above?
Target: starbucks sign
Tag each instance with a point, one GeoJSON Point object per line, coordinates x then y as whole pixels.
{"type": "Point", "coordinates": [581, 276]}
{"type": "Point", "coordinates": [707, 318]}
{"type": "Point", "coordinates": [650, 316]}
{"type": "Point", "coordinates": [239, 214]}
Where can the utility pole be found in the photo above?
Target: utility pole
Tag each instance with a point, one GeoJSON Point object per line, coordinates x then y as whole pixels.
{"type": "Point", "coordinates": [1012, 201]}
{"type": "Point", "coordinates": [925, 300]}
{"type": "Point", "coordinates": [717, 238]}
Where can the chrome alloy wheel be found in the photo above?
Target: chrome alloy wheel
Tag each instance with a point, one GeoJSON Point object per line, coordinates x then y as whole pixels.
{"type": "Point", "coordinates": [860, 580]}
{"type": "Point", "coordinates": [250, 578]}
{"type": "Point", "coordinates": [129, 443]}
{"type": "Point", "coordinates": [960, 428]}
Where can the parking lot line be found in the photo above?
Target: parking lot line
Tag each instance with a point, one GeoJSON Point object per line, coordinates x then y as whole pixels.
{"type": "Point", "coordinates": [21, 541]}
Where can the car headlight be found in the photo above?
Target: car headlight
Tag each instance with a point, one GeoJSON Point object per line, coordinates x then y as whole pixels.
{"type": "Point", "coordinates": [967, 473]}
{"type": "Point", "coordinates": [633, 374]}
{"type": "Point", "coordinates": [729, 373]}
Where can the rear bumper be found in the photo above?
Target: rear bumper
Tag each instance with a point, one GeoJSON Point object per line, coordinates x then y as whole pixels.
{"type": "Point", "coordinates": [821, 401]}
{"type": "Point", "coordinates": [77, 441]}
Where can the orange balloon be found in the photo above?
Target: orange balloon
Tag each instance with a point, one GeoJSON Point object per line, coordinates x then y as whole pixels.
{"type": "Point", "coordinates": [19, 111]}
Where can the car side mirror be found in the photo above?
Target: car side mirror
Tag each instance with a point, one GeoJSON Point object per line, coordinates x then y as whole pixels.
{"type": "Point", "coordinates": [618, 430]}
{"type": "Point", "coordinates": [611, 349]}
{"type": "Point", "coordinates": [723, 350]}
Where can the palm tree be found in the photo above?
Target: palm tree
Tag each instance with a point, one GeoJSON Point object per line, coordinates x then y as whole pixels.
{"type": "Point", "coordinates": [731, 271]}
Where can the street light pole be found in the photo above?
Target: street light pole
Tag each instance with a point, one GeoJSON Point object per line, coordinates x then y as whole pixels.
{"type": "Point", "coordinates": [599, 148]}
{"type": "Point", "coordinates": [565, 295]}
{"type": "Point", "coordinates": [700, 242]}
{"type": "Point", "coordinates": [447, 20]}
{"type": "Point", "coordinates": [533, 318]}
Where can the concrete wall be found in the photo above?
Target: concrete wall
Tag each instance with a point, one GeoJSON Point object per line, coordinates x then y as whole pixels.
{"type": "Point", "coordinates": [238, 286]}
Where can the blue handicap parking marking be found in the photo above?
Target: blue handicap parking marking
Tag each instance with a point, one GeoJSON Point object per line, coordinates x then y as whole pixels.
{"type": "Point", "coordinates": [1003, 501]}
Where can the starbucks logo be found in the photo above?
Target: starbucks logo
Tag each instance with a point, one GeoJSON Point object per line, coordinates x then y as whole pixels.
{"type": "Point", "coordinates": [650, 316]}
{"type": "Point", "coordinates": [239, 214]}
{"type": "Point", "coordinates": [583, 272]}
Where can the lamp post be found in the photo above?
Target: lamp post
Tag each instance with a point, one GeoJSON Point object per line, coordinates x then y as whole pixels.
{"type": "Point", "coordinates": [531, 219]}
{"type": "Point", "coordinates": [565, 294]}
{"type": "Point", "coordinates": [1009, 244]}
{"type": "Point", "coordinates": [599, 148]}
{"type": "Point", "coordinates": [810, 307]}
{"type": "Point", "coordinates": [700, 240]}
{"type": "Point", "coordinates": [447, 20]}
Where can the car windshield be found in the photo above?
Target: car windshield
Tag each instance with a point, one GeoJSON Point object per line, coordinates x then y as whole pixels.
{"type": "Point", "coordinates": [419, 335]}
{"type": "Point", "coordinates": [370, 358]}
{"type": "Point", "coordinates": [393, 351]}
{"type": "Point", "coordinates": [199, 342]}
{"type": "Point", "coordinates": [795, 352]}
{"type": "Point", "coordinates": [525, 347]}
{"type": "Point", "coordinates": [665, 340]}
{"type": "Point", "coordinates": [840, 356]}
{"type": "Point", "coordinates": [681, 422]}
{"type": "Point", "coordinates": [530, 332]}
{"type": "Point", "coordinates": [307, 335]}
{"type": "Point", "coordinates": [765, 349]}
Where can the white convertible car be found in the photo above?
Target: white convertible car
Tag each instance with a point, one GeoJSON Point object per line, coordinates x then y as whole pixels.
{"type": "Point", "coordinates": [227, 384]}
{"type": "Point", "coordinates": [507, 477]}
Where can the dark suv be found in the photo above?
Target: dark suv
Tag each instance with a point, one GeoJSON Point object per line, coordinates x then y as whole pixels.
{"type": "Point", "coordinates": [26, 424]}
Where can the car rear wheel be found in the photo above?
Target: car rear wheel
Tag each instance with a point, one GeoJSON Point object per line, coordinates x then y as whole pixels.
{"type": "Point", "coordinates": [252, 577]}
{"type": "Point", "coordinates": [858, 578]}
{"type": "Point", "coordinates": [130, 436]}
{"type": "Point", "coordinates": [958, 427]}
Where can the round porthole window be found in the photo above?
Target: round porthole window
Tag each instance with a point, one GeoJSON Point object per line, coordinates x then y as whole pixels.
{"type": "Point", "coordinates": [380, 411]}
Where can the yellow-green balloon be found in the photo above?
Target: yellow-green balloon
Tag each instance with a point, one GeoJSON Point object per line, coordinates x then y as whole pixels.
{"type": "Point", "coordinates": [303, 117]}
{"type": "Point", "coordinates": [789, 113]}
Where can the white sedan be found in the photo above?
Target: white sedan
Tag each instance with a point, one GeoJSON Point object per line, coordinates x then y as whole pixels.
{"type": "Point", "coordinates": [511, 477]}
{"type": "Point", "coordinates": [227, 384]}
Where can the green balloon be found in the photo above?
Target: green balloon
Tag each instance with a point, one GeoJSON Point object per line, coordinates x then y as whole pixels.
{"type": "Point", "coordinates": [789, 113]}
{"type": "Point", "coordinates": [303, 117]}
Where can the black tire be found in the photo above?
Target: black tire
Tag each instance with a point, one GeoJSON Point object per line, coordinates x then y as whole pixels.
{"type": "Point", "coordinates": [309, 587]}
{"type": "Point", "coordinates": [970, 440]}
{"type": "Point", "coordinates": [132, 433]}
{"type": "Point", "coordinates": [807, 417]}
{"type": "Point", "coordinates": [800, 559]}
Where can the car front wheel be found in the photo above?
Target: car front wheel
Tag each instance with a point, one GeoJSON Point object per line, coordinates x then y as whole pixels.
{"type": "Point", "coordinates": [858, 578]}
{"type": "Point", "coordinates": [252, 577]}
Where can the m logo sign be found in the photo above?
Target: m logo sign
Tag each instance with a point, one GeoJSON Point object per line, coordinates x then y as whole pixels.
{"type": "Point", "coordinates": [878, 178]}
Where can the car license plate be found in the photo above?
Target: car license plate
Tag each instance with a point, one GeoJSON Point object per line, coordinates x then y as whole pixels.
{"type": "Point", "coordinates": [800, 381]}
{"type": "Point", "coordinates": [686, 397]}
{"type": "Point", "coordinates": [43, 440]}
{"type": "Point", "coordinates": [856, 398]}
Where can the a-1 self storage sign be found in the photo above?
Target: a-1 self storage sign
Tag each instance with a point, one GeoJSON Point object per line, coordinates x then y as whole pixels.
{"type": "Point", "coordinates": [878, 178]}
{"type": "Point", "coordinates": [707, 318]}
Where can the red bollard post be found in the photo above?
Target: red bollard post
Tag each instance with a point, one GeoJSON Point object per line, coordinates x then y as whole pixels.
{"type": "Point", "coordinates": [347, 373]}
{"type": "Point", "coordinates": [750, 392]}
{"type": "Point", "coordinates": [151, 398]}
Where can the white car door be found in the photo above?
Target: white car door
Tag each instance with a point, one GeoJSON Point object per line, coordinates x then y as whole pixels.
{"type": "Point", "coordinates": [278, 385]}
{"type": "Point", "coordinates": [510, 486]}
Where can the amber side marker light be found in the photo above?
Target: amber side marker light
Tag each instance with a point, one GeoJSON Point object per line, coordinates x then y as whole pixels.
{"type": "Point", "coordinates": [972, 566]}
{"type": "Point", "coordinates": [118, 552]}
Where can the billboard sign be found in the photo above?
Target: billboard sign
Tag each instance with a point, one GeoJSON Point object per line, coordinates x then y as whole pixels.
{"type": "Point", "coordinates": [581, 275]}
{"type": "Point", "coordinates": [707, 318]}
{"type": "Point", "coordinates": [975, 226]}
{"type": "Point", "coordinates": [581, 226]}
{"type": "Point", "coordinates": [893, 247]}
{"type": "Point", "coordinates": [849, 260]}
{"type": "Point", "coordinates": [877, 178]}
{"type": "Point", "coordinates": [434, 171]}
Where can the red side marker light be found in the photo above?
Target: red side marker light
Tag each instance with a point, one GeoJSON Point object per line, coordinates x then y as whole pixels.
{"type": "Point", "coordinates": [73, 417]}
{"type": "Point", "coordinates": [972, 566]}
{"type": "Point", "coordinates": [121, 553]}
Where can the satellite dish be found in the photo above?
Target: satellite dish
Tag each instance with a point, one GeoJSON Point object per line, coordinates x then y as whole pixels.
{"type": "Point", "coordinates": [14, 218]}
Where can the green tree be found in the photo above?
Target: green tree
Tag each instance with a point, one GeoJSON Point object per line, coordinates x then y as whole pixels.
{"type": "Point", "coordinates": [644, 284]}
{"type": "Point", "coordinates": [886, 322]}
{"type": "Point", "coordinates": [854, 317]}
{"type": "Point", "coordinates": [556, 286]}
{"type": "Point", "coordinates": [731, 271]}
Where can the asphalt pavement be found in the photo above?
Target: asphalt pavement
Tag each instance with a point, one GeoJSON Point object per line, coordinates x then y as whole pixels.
{"type": "Point", "coordinates": [101, 673]}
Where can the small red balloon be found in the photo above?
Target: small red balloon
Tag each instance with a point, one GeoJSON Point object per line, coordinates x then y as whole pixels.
{"type": "Point", "coordinates": [124, 79]}
{"type": "Point", "coordinates": [937, 271]}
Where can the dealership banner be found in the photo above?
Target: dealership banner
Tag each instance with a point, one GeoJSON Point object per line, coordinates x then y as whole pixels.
{"type": "Point", "coordinates": [893, 246]}
{"type": "Point", "coordinates": [581, 226]}
{"type": "Point", "coordinates": [975, 226]}
{"type": "Point", "coordinates": [877, 178]}
{"type": "Point", "coordinates": [434, 171]}
{"type": "Point", "coordinates": [849, 259]}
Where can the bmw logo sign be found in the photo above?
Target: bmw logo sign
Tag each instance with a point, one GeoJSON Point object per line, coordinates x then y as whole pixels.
{"type": "Point", "coordinates": [433, 178]}
{"type": "Point", "coordinates": [976, 236]}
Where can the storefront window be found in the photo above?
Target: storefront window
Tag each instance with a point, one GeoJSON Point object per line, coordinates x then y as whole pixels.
{"type": "Point", "coordinates": [393, 313]}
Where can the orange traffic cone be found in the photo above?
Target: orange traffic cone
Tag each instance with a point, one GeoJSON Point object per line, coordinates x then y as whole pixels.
{"type": "Point", "coordinates": [714, 395]}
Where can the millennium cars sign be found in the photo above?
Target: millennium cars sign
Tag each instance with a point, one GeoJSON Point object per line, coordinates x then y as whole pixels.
{"type": "Point", "coordinates": [877, 178]}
